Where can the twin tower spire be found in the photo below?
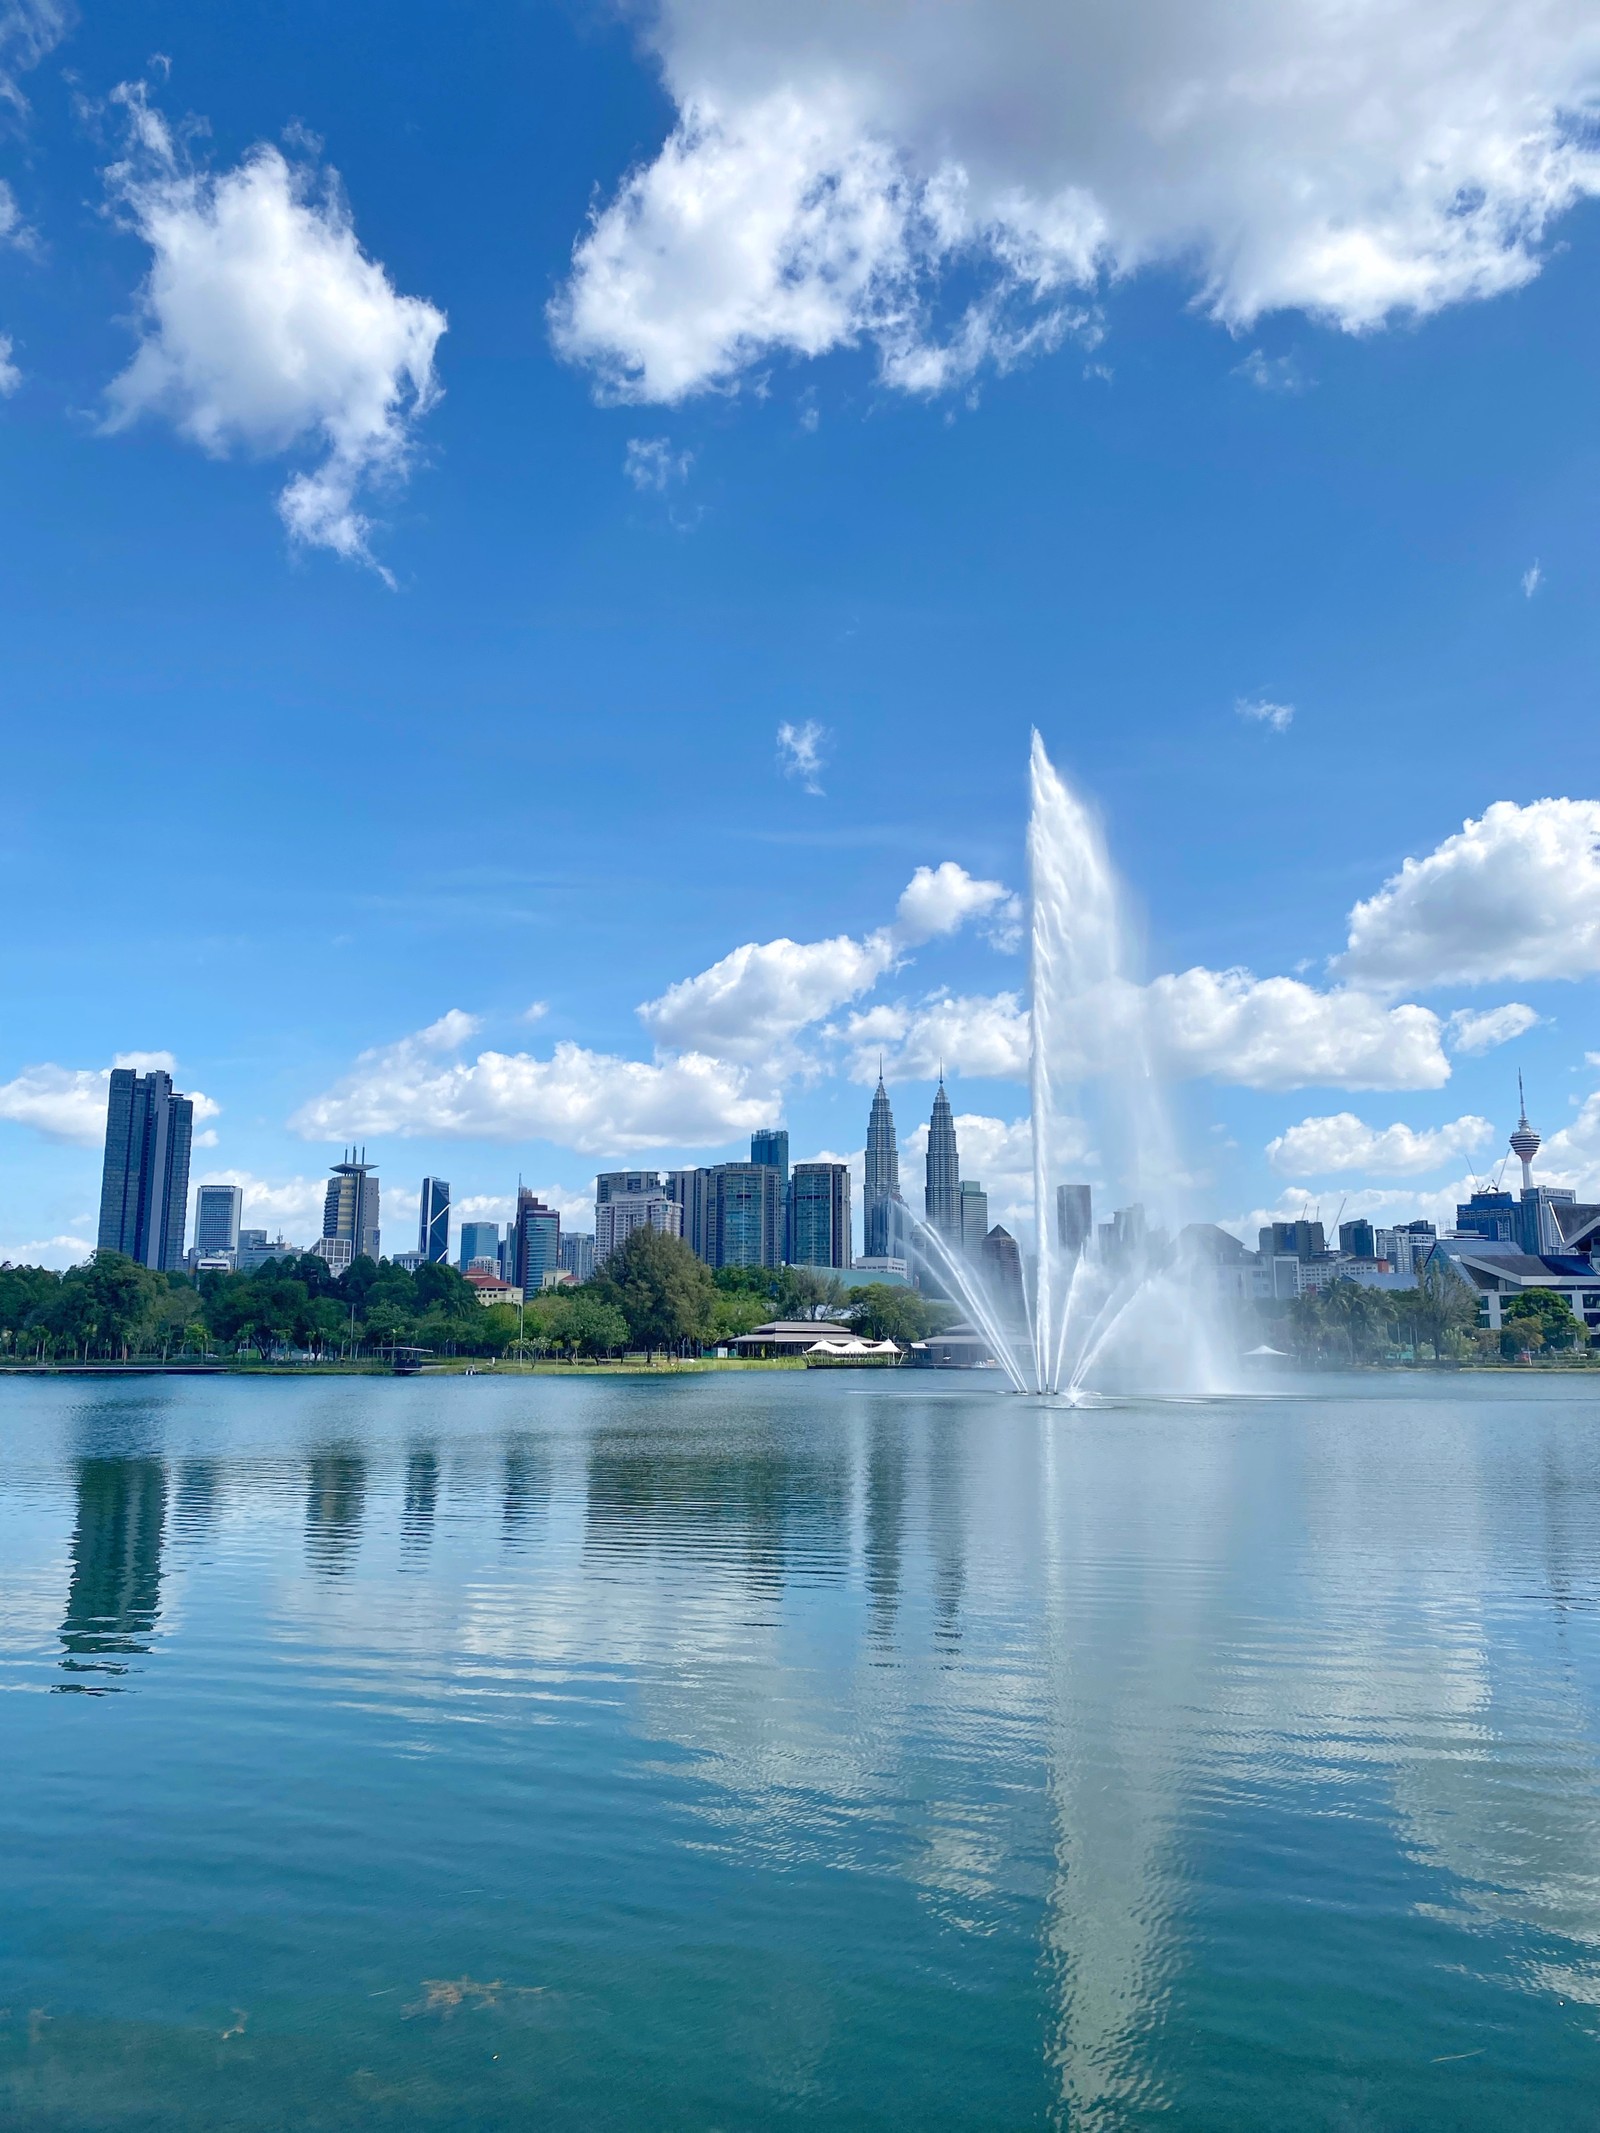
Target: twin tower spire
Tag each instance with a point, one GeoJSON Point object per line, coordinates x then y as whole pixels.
{"type": "Point", "coordinates": [887, 1218]}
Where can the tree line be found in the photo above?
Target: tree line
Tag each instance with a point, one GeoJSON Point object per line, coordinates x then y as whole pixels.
{"type": "Point", "coordinates": [1349, 1324]}
{"type": "Point", "coordinates": [653, 1295]}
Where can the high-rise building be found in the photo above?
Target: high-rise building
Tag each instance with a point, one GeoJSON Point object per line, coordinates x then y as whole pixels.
{"type": "Point", "coordinates": [819, 1215]}
{"type": "Point", "coordinates": [1358, 1239]}
{"type": "Point", "coordinates": [479, 1240]}
{"type": "Point", "coordinates": [689, 1190]}
{"type": "Point", "coordinates": [942, 1198]}
{"type": "Point", "coordinates": [350, 1207]}
{"type": "Point", "coordinates": [534, 1239]}
{"type": "Point", "coordinates": [618, 1216]}
{"type": "Point", "coordinates": [217, 1209]}
{"type": "Point", "coordinates": [881, 1184]}
{"type": "Point", "coordinates": [1074, 1218]}
{"type": "Point", "coordinates": [744, 1215]}
{"type": "Point", "coordinates": [771, 1146]}
{"type": "Point", "coordinates": [1292, 1240]}
{"type": "Point", "coordinates": [1002, 1266]}
{"type": "Point", "coordinates": [577, 1254]}
{"type": "Point", "coordinates": [144, 1187]}
{"type": "Point", "coordinates": [614, 1184]}
{"type": "Point", "coordinates": [974, 1216]}
{"type": "Point", "coordinates": [256, 1248]}
{"type": "Point", "coordinates": [433, 1223]}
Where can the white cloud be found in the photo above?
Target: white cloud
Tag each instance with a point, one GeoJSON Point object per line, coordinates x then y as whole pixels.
{"type": "Point", "coordinates": [589, 1101]}
{"type": "Point", "coordinates": [998, 1154]}
{"type": "Point", "coordinates": [941, 899]}
{"type": "Point", "coordinates": [652, 465]}
{"type": "Point", "coordinates": [753, 1003]}
{"type": "Point", "coordinates": [68, 1104]}
{"type": "Point", "coordinates": [1278, 717]}
{"type": "Point", "coordinates": [1328, 1147]}
{"type": "Point", "coordinates": [1226, 1025]}
{"type": "Point", "coordinates": [1271, 374]}
{"type": "Point", "coordinates": [1514, 895]}
{"type": "Point", "coordinates": [289, 1207]}
{"type": "Point", "coordinates": [800, 752]}
{"type": "Point", "coordinates": [10, 375]}
{"type": "Point", "coordinates": [29, 30]}
{"type": "Point", "coordinates": [834, 164]}
{"type": "Point", "coordinates": [1278, 1033]}
{"type": "Point", "coordinates": [980, 1037]}
{"type": "Point", "coordinates": [264, 326]}
{"type": "Point", "coordinates": [1532, 579]}
{"type": "Point", "coordinates": [1481, 1030]}
{"type": "Point", "coordinates": [1572, 1156]}
{"type": "Point", "coordinates": [56, 1252]}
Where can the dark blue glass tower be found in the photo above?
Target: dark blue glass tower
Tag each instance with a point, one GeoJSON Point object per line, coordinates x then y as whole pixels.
{"type": "Point", "coordinates": [144, 1188]}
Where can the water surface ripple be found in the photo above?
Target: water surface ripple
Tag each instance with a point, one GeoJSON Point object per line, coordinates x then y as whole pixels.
{"type": "Point", "coordinates": [864, 1751]}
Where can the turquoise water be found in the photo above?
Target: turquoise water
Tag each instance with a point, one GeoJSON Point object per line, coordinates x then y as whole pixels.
{"type": "Point", "coordinates": [857, 1751]}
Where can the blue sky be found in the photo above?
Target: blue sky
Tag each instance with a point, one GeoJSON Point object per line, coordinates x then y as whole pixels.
{"type": "Point", "coordinates": [407, 635]}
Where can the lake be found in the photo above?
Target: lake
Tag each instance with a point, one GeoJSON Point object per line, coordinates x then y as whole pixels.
{"type": "Point", "coordinates": [856, 1750]}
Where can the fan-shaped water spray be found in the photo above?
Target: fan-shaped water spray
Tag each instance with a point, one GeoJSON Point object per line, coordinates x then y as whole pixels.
{"type": "Point", "coordinates": [1124, 1305]}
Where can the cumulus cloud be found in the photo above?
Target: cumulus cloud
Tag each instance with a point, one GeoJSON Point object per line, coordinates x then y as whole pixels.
{"type": "Point", "coordinates": [652, 465]}
{"type": "Point", "coordinates": [263, 326]}
{"type": "Point", "coordinates": [999, 1154]}
{"type": "Point", "coordinates": [1226, 1025]}
{"type": "Point", "coordinates": [836, 167]}
{"type": "Point", "coordinates": [1278, 717]}
{"type": "Point", "coordinates": [942, 899]}
{"type": "Point", "coordinates": [800, 752]}
{"type": "Point", "coordinates": [1571, 1157]}
{"type": "Point", "coordinates": [1513, 895]}
{"type": "Point", "coordinates": [68, 1104]}
{"type": "Point", "coordinates": [753, 1003]}
{"type": "Point", "coordinates": [286, 1207]}
{"type": "Point", "coordinates": [588, 1101]}
{"type": "Point", "coordinates": [1328, 1147]}
{"type": "Point", "coordinates": [56, 1252]}
{"type": "Point", "coordinates": [1482, 1030]}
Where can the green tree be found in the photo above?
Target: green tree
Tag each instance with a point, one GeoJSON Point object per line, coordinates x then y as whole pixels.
{"type": "Point", "coordinates": [733, 1315]}
{"type": "Point", "coordinates": [1535, 1319]}
{"type": "Point", "coordinates": [664, 1291]}
{"type": "Point", "coordinates": [882, 1313]}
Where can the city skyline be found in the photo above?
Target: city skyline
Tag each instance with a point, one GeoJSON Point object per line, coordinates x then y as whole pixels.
{"type": "Point", "coordinates": [1232, 532]}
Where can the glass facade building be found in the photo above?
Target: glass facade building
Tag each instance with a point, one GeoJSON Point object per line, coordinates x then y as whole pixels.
{"type": "Point", "coordinates": [433, 1226]}
{"type": "Point", "coordinates": [535, 1242]}
{"type": "Point", "coordinates": [144, 1186]}
{"type": "Point", "coordinates": [350, 1206]}
{"type": "Point", "coordinates": [881, 1182]}
{"type": "Point", "coordinates": [479, 1240]}
{"type": "Point", "coordinates": [819, 1215]}
{"type": "Point", "coordinates": [217, 1209]}
{"type": "Point", "coordinates": [943, 1195]}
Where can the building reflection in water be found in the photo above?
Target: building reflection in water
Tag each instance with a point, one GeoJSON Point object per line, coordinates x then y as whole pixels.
{"type": "Point", "coordinates": [114, 1597]}
{"type": "Point", "coordinates": [525, 1489]}
{"type": "Point", "coordinates": [336, 1489]}
{"type": "Point", "coordinates": [946, 1477]}
{"type": "Point", "coordinates": [421, 1507]}
{"type": "Point", "coordinates": [769, 1507]}
{"type": "Point", "coordinates": [195, 1499]}
{"type": "Point", "coordinates": [885, 1521]}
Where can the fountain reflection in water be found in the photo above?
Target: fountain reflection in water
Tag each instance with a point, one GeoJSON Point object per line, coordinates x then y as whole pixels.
{"type": "Point", "coordinates": [1132, 1314]}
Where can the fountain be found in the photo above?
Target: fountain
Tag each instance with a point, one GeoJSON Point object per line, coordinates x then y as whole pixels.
{"type": "Point", "coordinates": [1129, 1309]}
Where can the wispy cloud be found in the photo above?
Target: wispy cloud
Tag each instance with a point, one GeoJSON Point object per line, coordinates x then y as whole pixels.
{"type": "Point", "coordinates": [1272, 374]}
{"type": "Point", "coordinates": [1278, 717]}
{"type": "Point", "coordinates": [653, 466]}
{"type": "Point", "coordinates": [801, 751]}
{"type": "Point", "coordinates": [1532, 579]}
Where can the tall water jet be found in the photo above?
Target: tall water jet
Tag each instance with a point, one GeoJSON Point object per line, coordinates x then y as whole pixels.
{"type": "Point", "coordinates": [1091, 1305]}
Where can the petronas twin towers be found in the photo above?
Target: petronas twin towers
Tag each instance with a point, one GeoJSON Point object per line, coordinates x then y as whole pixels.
{"type": "Point", "coordinates": [887, 1218]}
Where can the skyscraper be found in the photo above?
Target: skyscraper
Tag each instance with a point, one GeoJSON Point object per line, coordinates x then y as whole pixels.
{"type": "Point", "coordinates": [479, 1240]}
{"type": "Point", "coordinates": [433, 1226]}
{"type": "Point", "coordinates": [819, 1215]}
{"type": "Point", "coordinates": [744, 1215]}
{"type": "Point", "coordinates": [217, 1209]}
{"type": "Point", "coordinates": [534, 1240]}
{"type": "Point", "coordinates": [881, 1185]}
{"type": "Point", "coordinates": [942, 1199]}
{"type": "Point", "coordinates": [1074, 1218]}
{"type": "Point", "coordinates": [618, 1215]}
{"type": "Point", "coordinates": [577, 1254]}
{"type": "Point", "coordinates": [771, 1146]}
{"type": "Point", "coordinates": [350, 1208]}
{"type": "Point", "coordinates": [974, 1216]}
{"type": "Point", "coordinates": [144, 1187]}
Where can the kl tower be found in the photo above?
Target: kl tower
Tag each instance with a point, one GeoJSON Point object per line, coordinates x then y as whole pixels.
{"type": "Point", "coordinates": [1524, 1142]}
